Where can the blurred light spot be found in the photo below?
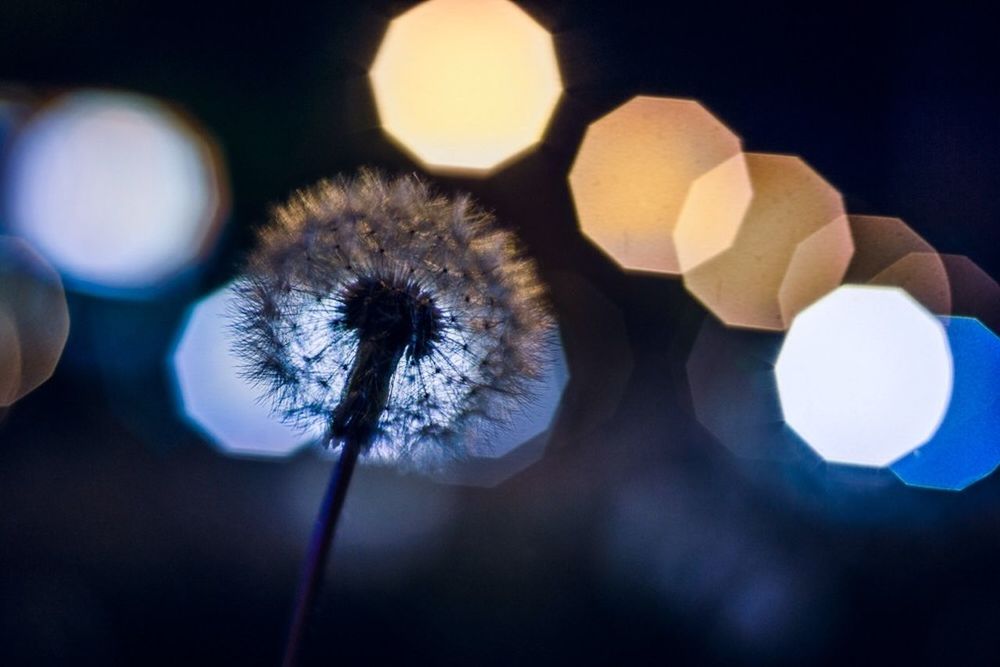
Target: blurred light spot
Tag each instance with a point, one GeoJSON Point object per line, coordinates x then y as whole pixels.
{"type": "Point", "coordinates": [888, 252]}
{"type": "Point", "coordinates": [632, 175]}
{"type": "Point", "coordinates": [879, 242]}
{"type": "Point", "coordinates": [817, 267]}
{"type": "Point", "coordinates": [502, 452]}
{"type": "Point", "coordinates": [759, 283]}
{"type": "Point", "coordinates": [10, 360]}
{"type": "Point", "coordinates": [924, 277]}
{"type": "Point", "coordinates": [865, 375]}
{"type": "Point", "coordinates": [116, 190]}
{"type": "Point", "coordinates": [730, 374]}
{"type": "Point", "coordinates": [34, 320]}
{"type": "Point", "coordinates": [230, 411]}
{"type": "Point", "coordinates": [465, 85]}
{"type": "Point", "coordinates": [974, 293]}
{"type": "Point", "coordinates": [712, 213]}
{"type": "Point", "coordinates": [966, 447]}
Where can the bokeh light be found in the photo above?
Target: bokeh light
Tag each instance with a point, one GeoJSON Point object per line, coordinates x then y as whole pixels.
{"type": "Point", "coordinates": [879, 242]}
{"type": "Point", "coordinates": [501, 452]}
{"type": "Point", "coordinates": [793, 246]}
{"type": "Point", "coordinates": [10, 360]}
{"type": "Point", "coordinates": [966, 447]}
{"type": "Point", "coordinates": [730, 374]}
{"type": "Point", "coordinates": [465, 85]}
{"type": "Point", "coordinates": [712, 213]}
{"type": "Point", "coordinates": [34, 320]}
{"type": "Point", "coordinates": [214, 398]}
{"type": "Point", "coordinates": [974, 293]}
{"type": "Point", "coordinates": [923, 276]}
{"type": "Point", "coordinates": [865, 375]}
{"type": "Point", "coordinates": [888, 252]}
{"type": "Point", "coordinates": [632, 175]}
{"type": "Point", "coordinates": [117, 190]}
{"type": "Point", "coordinates": [817, 266]}
{"type": "Point", "coordinates": [535, 415]}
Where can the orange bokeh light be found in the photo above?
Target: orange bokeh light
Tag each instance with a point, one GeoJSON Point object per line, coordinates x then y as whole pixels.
{"type": "Point", "coordinates": [633, 173]}
{"type": "Point", "coordinates": [793, 246]}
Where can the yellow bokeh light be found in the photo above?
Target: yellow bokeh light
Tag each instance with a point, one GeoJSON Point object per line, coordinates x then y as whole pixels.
{"type": "Point", "coordinates": [712, 213]}
{"type": "Point", "coordinates": [465, 84]}
{"type": "Point", "coordinates": [34, 320]}
{"type": "Point", "coordinates": [633, 173]}
{"type": "Point", "coordinates": [793, 246]}
{"type": "Point", "coordinates": [817, 267]}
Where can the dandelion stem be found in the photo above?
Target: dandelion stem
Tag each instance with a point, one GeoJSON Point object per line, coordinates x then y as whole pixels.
{"type": "Point", "coordinates": [386, 324]}
{"type": "Point", "coordinates": [319, 548]}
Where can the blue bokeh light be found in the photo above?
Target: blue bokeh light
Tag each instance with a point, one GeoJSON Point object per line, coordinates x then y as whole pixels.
{"type": "Point", "coordinates": [534, 416]}
{"type": "Point", "coordinates": [497, 453]}
{"type": "Point", "coordinates": [215, 399]}
{"type": "Point", "coordinates": [966, 448]}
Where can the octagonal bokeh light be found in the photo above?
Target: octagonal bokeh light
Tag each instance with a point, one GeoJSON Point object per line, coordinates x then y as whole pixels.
{"type": "Point", "coordinates": [880, 241]}
{"type": "Point", "coordinates": [865, 375]}
{"type": "Point", "coordinates": [793, 246]}
{"type": "Point", "coordinates": [730, 375]}
{"type": "Point", "coordinates": [974, 292]}
{"type": "Point", "coordinates": [712, 213]}
{"type": "Point", "coordinates": [966, 448]}
{"type": "Point", "coordinates": [34, 320]}
{"type": "Point", "coordinates": [498, 453]}
{"type": "Point", "coordinates": [632, 176]}
{"type": "Point", "coordinates": [465, 85]}
{"type": "Point", "coordinates": [214, 398]}
{"type": "Point", "coordinates": [117, 190]}
{"type": "Point", "coordinates": [888, 252]}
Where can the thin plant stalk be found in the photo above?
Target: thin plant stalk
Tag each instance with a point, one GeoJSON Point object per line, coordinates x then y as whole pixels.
{"type": "Point", "coordinates": [386, 322]}
{"type": "Point", "coordinates": [319, 550]}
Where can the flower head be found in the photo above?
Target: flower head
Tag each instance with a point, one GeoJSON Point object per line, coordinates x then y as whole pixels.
{"type": "Point", "coordinates": [375, 273]}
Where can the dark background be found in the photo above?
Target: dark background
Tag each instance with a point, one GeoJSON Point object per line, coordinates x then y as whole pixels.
{"type": "Point", "coordinates": [125, 539]}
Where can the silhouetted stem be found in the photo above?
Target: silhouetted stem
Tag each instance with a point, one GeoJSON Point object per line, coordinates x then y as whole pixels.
{"type": "Point", "coordinates": [319, 549]}
{"type": "Point", "coordinates": [354, 424]}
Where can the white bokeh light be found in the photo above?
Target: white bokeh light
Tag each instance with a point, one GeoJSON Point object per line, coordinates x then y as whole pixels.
{"type": "Point", "coordinates": [865, 375]}
{"type": "Point", "coordinates": [116, 190]}
{"type": "Point", "coordinates": [214, 398]}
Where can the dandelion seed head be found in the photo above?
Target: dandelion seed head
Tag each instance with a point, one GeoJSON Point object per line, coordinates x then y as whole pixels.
{"type": "Point", "coordinates": [353, 259]}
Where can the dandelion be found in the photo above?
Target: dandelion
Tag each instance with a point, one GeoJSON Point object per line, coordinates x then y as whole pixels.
{"type": "Point", "coordinates": [404, 323]}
